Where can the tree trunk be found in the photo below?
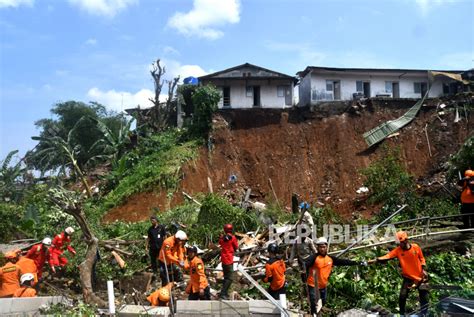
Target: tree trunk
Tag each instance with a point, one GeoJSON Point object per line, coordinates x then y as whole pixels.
{"type": "Point", "coordinates": [69, 202]}
{"type": "Point", "coordinates": [85, 268]}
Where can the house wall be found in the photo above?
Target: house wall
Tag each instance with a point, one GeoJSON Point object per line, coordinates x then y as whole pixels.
{"type": "Point", "coordinates": [304, 91]}
{"type": "Point", "coordinates": [268, 93]}
{"type": "Point", "coordinates": [377, 85]}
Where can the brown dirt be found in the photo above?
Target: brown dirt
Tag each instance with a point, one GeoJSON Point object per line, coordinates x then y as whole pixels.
{"type": "Point", "coordinates": [314, 153]}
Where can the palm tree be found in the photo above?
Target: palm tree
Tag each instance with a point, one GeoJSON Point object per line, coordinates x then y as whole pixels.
{"type": "Point", "coordinates": [57, 146]}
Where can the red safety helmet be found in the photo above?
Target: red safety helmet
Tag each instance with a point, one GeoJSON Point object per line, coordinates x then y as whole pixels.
{"type": "Point", "coordinates": [228, 228]}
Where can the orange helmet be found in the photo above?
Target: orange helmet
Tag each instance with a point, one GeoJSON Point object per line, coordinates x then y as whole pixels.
{"type": "Point", "coordinates": [11, 255]}
{"type": "Point", "coordinates": [469, 173]}
{"type": "Point", "coordinates": [402, 236]}
{"type": "Point", "coordinates": [164, 295]}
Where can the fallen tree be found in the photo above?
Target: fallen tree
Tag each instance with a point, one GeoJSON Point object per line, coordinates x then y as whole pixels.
{"type": "Point", "coordinates": [70, 203]}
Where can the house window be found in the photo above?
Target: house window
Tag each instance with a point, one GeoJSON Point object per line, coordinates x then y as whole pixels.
{"type": "Point", "coordinates": [388, 87]}
{"type": "Point", "coordinates": [329, 85]}
{"type": "Point", "coordinates": [249, 91]}
{"type": "Point", "coordinates": [359, 86]}
{"type": "Point", "coordinates": [417, 88]}
{"type": "Point", "coordinates": [281, 91]}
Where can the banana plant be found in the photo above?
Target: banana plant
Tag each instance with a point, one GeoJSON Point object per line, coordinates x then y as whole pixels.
{"type": "Point", "coordinates": [9, 175]}
{"type": "Point", "coordinates": [113, 144]}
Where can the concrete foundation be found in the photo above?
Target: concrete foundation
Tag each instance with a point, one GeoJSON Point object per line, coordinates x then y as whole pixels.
{"type": "Point", "coordinates": [184, 308]}
{"type": "Point", "coordinates": [27, 306]}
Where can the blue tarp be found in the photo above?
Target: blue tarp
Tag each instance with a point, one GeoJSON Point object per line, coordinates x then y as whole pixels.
{"type": "Point", "coordinates": [190, 81]}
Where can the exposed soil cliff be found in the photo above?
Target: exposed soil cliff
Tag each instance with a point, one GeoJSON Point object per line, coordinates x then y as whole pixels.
{"type": "Point", "coordinates": [316, 153]}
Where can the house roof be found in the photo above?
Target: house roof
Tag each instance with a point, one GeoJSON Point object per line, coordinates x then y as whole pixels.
{"type": "Point", "coordinates": [371, 70]}
{"type": "Point", "coordinates": [275, 74]}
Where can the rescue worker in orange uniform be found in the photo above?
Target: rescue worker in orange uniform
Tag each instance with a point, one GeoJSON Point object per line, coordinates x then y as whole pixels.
{"type": "Point", "coordinates": [413, 265]}
{"type": "Point", "coordinates": [27, 265]}
{"type": "Point", "coordinates": [275, 270]}
{"type": "Point", "coordinates": [10, 275]}
{"type": "Point", "coordinates": [172, 258]}
{"type": "Point", "coordinates": [39, 253]}
{"type": "Point", "coordinates": [198, 287]}
{"type": "Point", "coordinates": [25, 289]}
{"type": "Point", "coordinates": [161, 296]}
{"type": "Point", "coordinates": [60, 243]}
{"type": "Point", "coordinates": [321, 264]}
{"type": "Point", "coordinates": [467, 199]}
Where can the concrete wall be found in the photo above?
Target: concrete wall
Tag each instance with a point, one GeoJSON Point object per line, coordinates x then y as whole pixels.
{"type": "Point", "coordinates": [268, 93]}
{"type": "Point", "coordinates": [377, 86]}
{"type": "Point", "coordinates": [304, 91]}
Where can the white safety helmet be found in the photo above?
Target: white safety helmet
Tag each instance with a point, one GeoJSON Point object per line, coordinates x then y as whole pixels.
{"type": "Point", "coordinates": [69, 230]}
{"type": "Point", "coordinates": [322, 240]}
{"type": "Point", "coordinates": [46, 241]}
{"type": "Point", "coordinates": [181, 235]}
{"type": "Point", "coordinates": [26, 277]}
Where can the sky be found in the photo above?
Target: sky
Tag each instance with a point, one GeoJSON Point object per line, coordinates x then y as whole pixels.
{"type": "Point", "coordinates": [101, 50]}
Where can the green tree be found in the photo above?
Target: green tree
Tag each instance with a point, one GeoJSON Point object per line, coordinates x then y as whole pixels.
{"type": "Point", "coordinates": [65, 152]}
{"type": "Point", "coordinates": [205, 100]}
{"type": "Point", "coordinates": [67, 115]}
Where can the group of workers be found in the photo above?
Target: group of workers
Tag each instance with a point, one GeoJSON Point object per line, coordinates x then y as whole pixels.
{"type": "Point", "coordinates": [21, 275]}
{"type": "Point", "coordinates": [173, 256]}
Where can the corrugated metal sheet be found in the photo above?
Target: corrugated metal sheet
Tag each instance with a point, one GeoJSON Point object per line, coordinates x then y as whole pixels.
{"type": "Point", "coordinates": [379, 133]}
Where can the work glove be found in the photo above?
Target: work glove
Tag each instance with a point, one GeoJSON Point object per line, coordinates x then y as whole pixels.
{"type": "Point", "coordinates": [181, 263]}
{"type": "Point", "coordinates": [363, 263]}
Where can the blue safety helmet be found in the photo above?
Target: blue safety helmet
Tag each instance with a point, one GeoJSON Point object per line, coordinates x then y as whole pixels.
{"type": "Point", "coordinates": [304, 205]}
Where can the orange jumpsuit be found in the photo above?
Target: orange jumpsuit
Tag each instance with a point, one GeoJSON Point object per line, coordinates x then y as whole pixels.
{"type": "Point", "coordinates": [58, 246]}
{"type": "Point", "coordinates": [172, 251]}
{"type": "Point", "coordinates": [10, 279]}
{"type": "Point", "coordinates": [275, 273]}
{"type": "Point", "coordinates": [198, 279]}
{"type": "Point", "coordinates": [25, 292]}
{"type": "Point", "coordinates": [38, 254]}
{"type": "Point", "coordinates": [27, 265]}
{"type": "Point", "coordinates": [411, 261]}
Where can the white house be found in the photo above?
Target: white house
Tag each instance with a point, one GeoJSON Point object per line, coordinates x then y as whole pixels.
{"type": "Point", "coordinates": [320, 84]}
{"type": "Point", "coordinates": [250, 86]}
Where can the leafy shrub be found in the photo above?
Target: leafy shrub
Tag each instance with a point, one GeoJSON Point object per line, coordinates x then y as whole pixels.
{"type": "Point", "coordinates": [215, 212]}
{"type": "Point", "coordinates": [462, 160]}
{"type": "Point", "coordinates": [205, 100]}
{"type": "Point", "coordinates": [160, 168]}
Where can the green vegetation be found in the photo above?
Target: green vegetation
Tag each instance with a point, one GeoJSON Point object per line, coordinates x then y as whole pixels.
{"type": "Point", "coordinates": [391, 186]}
{"type": "Point", "coordinates": [157, 162]}
{"type": "Point", "coordinates": [462, 160]}
{"type": "Point", "coordinates": [83, 136]}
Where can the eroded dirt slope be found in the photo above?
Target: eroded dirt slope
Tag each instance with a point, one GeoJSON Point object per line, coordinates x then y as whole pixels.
{"type": "Point", "coordinates": [313, 153]}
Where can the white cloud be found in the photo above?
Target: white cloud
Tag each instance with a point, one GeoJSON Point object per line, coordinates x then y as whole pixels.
{"type": "Point", "coordinates": [426, 5]}
{"type": "Point", "coordinates": [174, 69]}
{"type": "Point", "coordinates": [107, 8]}
{"type": "Point", "coordinates": [91, 42]}
{"type": "Point", "coordinates": [121, 100]}
{"type": "Point", "coordinates": [206, 15]}
{"type": "Point", "coordinates": [15, 3]}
